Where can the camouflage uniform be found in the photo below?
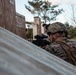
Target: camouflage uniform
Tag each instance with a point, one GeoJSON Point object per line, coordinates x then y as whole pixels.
{"type": "Point", "coordinates": [56, 48]}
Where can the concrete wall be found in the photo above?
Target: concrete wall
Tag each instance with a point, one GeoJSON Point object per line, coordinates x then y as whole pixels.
{"type": "Point", "coordinates": [20, 25]}
{"type": "Point", "coordinates": [42, 28]}
{"type": "Point", "coordinates": [7, 15]}
{"type": "Point", "coordinates": [36, 26]}
{"type": "Point", "coordinates": [8, 18]}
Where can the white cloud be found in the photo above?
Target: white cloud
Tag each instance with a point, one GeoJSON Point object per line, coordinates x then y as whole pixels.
{"type": "Point", "coordinates": [69, 2]}
{"type": "Point", "coordinates": [54, 2]}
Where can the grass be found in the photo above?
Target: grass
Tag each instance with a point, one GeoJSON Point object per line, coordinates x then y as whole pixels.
{"type": "Point", "coordinates": [73, 40]}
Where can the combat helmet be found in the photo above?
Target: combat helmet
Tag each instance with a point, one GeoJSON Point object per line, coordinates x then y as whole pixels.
{"type": "Point", "coordinates": [56, 27]}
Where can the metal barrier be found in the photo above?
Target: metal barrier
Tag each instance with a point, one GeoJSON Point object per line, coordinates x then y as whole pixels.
{"type": "Point", "coordinates": [20, 57]}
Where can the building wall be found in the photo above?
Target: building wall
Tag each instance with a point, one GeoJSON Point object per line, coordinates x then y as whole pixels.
{"type": "Point", "coordinates": [36, 26]}
{"type": "Point", "coordinates": [42, 28]}
{"type": "Point", "coordinates": [15, 22]}
{"type": "Point", "coordinates": [7, 15]}
{"type": "Point", "coordinates": [37, 22]}
{"type": "Point", "coordinates": [34, 30]}
{"type": "Point", "coordinates": [8, 18]}
{"type": "Point", "coordinates": [20, 25]}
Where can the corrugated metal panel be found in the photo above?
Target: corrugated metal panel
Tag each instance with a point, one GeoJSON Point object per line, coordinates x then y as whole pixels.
{"type": "Point", "coordinates": [20, 57]}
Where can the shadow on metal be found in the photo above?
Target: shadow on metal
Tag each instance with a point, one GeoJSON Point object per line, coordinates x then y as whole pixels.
{"type": "Point", "coordinates": [20, 57]}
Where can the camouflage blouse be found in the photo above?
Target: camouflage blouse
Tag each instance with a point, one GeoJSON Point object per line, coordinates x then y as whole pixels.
{"type": "Point", "coordinates": [58, 50]}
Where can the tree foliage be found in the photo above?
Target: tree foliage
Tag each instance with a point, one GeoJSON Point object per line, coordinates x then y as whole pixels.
{"type": "Point", "coordinates": [72, 32]}
{"type": "Point", "coordinates": [29, 33]}
{"type": "Point", "coordinates": [43, 9]}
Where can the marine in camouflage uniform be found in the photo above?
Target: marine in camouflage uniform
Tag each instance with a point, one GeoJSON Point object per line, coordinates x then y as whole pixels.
{"type": "Point", "coordinates": [57, 33]}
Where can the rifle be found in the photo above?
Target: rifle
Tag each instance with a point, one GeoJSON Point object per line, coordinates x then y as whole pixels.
{"type": "Point", "coordinates": [40, 40]}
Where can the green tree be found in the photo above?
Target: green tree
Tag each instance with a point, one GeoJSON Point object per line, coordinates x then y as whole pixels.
{"type": "Point", "coordinates": [29, 34]}
{"type": "Point", "coordinates": [34, 7]}
{"type": "Point", "coordinates": [72, 32]}
{"type": "Point", "coordinates": [43, 9]}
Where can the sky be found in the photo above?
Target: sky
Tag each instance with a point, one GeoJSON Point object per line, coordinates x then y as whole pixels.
{"type": "Point", "coordinates": [65, 4]}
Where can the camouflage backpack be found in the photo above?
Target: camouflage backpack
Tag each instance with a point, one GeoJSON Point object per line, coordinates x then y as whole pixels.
{"type": "Point", "coordinates": [70, 51]}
